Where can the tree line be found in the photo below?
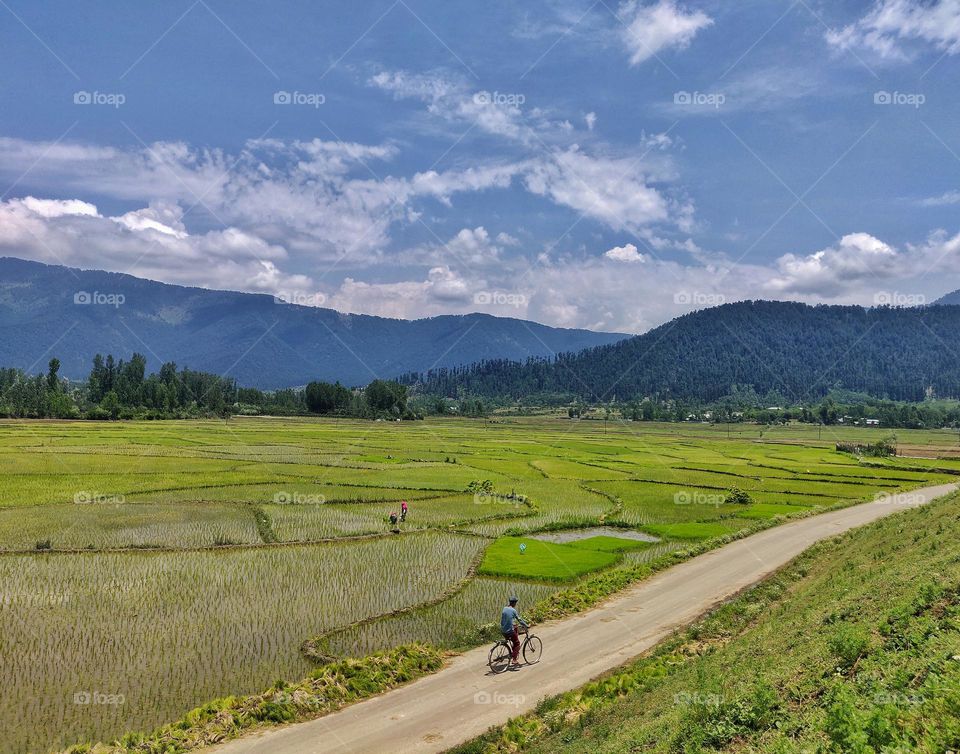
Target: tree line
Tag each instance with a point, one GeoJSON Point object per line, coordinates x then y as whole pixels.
{"type": "Point", "coordinates": [122, 389]}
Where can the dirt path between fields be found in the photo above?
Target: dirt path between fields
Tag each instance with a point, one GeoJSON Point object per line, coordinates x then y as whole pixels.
{"type": "Point", "coordinates": [463, 700]}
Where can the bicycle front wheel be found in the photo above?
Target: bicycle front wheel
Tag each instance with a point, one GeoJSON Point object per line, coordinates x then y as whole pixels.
{"type": "Point", "coordinates": [500, 657]}
{"type": "Point", "coordinates": [532, 650]}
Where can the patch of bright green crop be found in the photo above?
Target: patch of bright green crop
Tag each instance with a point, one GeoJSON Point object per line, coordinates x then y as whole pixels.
{"type": "Point", "coordinates": [541, 560]}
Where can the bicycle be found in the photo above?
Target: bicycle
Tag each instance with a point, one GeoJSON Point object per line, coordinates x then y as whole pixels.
{"type": "Point", "coordinates": [501, 653]}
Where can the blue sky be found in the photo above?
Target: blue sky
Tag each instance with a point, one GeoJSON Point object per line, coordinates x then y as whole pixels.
{"type": "Point", "coordinates": [592, 164]}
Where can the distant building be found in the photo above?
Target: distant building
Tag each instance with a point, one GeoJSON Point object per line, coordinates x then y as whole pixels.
{"type": "Point", "coordinates": [873, 422]}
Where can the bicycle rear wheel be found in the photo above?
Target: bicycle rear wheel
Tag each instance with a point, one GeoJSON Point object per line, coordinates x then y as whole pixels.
{"type": "Point", "coordinates": [532, 650]}
{"type": "Point", "coordinates": [500, 657]}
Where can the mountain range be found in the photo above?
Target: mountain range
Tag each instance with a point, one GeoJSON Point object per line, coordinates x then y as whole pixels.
{"type": "Point", "coordinates": [797, 350]}
{"type": "Point", "coordinates": [73, 314]}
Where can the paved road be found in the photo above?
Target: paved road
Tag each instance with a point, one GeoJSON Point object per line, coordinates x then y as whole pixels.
{"type": "Point", "coordinates": [463, 700]}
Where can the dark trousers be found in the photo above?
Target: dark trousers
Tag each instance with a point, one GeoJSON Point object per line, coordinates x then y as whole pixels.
{"type": "Point", "coordinates": [514, 638]}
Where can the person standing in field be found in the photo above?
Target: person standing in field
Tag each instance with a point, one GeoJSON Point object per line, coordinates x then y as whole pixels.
{"type": "Point", "coordinates": [403, 510]}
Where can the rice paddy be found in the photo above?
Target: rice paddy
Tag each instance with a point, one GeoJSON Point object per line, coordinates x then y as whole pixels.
{"type": "Point", "coordinates": [148, 567]}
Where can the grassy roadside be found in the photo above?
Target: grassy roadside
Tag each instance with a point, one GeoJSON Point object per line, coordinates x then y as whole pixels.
{"type": "Point", "coordinates": [853, 647]}
{"type": "Point", "coordinates": [327, 689]}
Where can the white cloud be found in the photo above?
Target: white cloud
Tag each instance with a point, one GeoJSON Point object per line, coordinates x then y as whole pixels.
{"type": "Point", "coordinates": [442, 292]}
{"type": "Point", "coordinates": [651, 29]}
{"type": "Point", "coordinates": [626, 253]}
{"type": "Point", "coordinates": [891, 23]}
{"type": "Point", "coordinates": [614, 191]}
{"type": "Point", "coordinates": [141, 244]}
{"type": "Point", "coordinates": [856, 258]}
{"type": "Point", "coordinates": [591, 120]}
{"type": "Point", "coordinates": [944, 200]}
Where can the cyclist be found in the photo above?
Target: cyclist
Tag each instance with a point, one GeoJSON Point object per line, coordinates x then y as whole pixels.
{"type": "Point", "coordinates": [509, 620]}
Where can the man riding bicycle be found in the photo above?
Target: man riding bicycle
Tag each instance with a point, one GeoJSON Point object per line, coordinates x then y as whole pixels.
{"type": "Point", "coordinates": [509, 621]}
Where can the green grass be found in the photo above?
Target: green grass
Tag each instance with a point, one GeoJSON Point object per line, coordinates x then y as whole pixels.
{"type": "Point", "coordinates": [853, 647]}
{"type": "Point", "coordinates": [542, 560]}
{"type": "Point", "coordinates": [270, 487]}
{"type": "Point", "coordinates": [605, 543]}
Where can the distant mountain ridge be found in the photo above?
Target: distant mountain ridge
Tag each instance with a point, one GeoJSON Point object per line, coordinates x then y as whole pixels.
{"type": "Point", "coordinates": [798, 350]}
{"type": "Point", "coordinates": [949, 299]}
{"type": "Point", "coordinates": [247, 336]}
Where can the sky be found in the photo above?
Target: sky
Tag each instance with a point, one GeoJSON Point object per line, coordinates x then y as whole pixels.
{"type": "Point", "coordinates": [598, 164]}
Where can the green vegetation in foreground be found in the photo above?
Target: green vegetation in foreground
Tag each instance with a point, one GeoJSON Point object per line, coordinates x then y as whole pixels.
{"type": "Point", "coordinates": [853, 647]}
{"type": "Point", "coordinates": [605, 543]}
{"type": "Point", "coordinates": [326, 689]}
{"type": "Point", "coordinates": [541, 560]}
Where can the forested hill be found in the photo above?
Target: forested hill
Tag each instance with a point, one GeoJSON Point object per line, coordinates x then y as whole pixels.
{"type": "Point", "coordinates": [798, 350]}
{"type": "Point", "coordinates": [79, 313]}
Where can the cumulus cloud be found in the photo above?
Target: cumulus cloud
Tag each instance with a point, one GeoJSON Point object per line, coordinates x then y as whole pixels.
{"type": "Point", "coordinates": [141, 243]}
{"type": "Point", "coordinates": [626, 253]}
{"type": "Point", "coordinates": [610, 189]}
{"type": "Point", "coordinates": [889, 28]}
{"type": "Point", "coordinates": [651, 29]}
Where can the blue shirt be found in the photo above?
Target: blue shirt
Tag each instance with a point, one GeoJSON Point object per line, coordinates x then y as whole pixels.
{"type": "Point", "coordinates": [507, 617]}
